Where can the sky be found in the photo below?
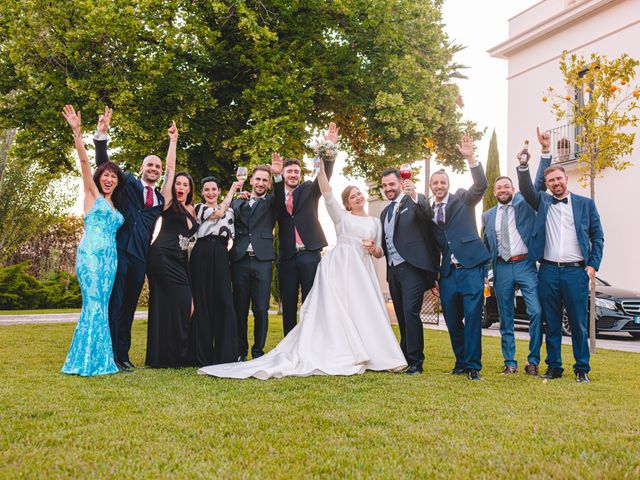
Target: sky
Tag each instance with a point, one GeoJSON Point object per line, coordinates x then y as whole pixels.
{"type": "Point", "coordinates": [479, 26]}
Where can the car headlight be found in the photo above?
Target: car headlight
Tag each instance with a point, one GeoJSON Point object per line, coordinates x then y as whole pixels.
{"type": "Point", "coordinates": [602, 303]}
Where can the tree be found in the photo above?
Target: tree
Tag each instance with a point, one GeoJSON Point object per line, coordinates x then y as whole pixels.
{"type": "Point", "coordinates": [601, 103]}
{"type": "Point", "coordinates": [493, 171]}
{"type": "Point", "coordinates": [242, 78]}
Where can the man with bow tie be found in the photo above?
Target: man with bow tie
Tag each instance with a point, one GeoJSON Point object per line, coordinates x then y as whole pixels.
{"type": "Point", "coordinates": [461, 283]}
{"type": "Point", "coordinates": [568, 242]}
{"type": "Point", "coordinates": [252, 257]}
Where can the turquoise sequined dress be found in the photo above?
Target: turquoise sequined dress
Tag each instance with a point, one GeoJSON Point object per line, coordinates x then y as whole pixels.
{"type": "Point", "coordinates": [90, 352]}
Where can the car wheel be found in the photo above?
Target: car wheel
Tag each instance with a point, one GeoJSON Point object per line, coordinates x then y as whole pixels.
{"type": "Point", "coordinates": [566, 328]}
{"type": "Point", "coordinates": [635, 334]}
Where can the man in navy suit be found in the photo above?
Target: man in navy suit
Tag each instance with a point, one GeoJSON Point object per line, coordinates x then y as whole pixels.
{"type": "Point", "coordinates": [411, 253]}
{"type": "Point", "coordinates": [507, 232]}
{"type": "Point", "coordinates": [141, 206]}
{"type": "Point", "coordinates": [567, 241]}
{"type": "Point", "coordinates": [252, 257]}
{"type": "Point", "coordinates": [461, 284]}
{"type": "Point", "coordinates": [301, 236]}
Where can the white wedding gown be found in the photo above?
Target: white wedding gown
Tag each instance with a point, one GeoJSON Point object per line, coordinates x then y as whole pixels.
{"type": "Point", "coordinates": [344, 327]}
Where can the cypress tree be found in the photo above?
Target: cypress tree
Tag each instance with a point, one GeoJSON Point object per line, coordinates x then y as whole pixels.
{"type": "Point", "coordinates": [493, 172]}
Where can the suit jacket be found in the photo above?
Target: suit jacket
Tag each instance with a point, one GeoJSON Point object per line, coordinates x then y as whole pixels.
{"type": "Point", "coordinates": [525, 218]}
{"type": "Point", "coordinates": [134, 236]}
{"type": "Point", "coordinates": [254, 225]}
{"type": "Point", "coordinates": [585, 217]}
{"type": "Point", "coordinates": [305, 216]}
{"type": "Point", "coordinates": [459, 234]}
{"type": "Point", "coordinates": [413, 237]}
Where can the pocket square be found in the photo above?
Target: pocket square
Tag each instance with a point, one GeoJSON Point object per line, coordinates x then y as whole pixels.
{"type": "Point", "coordinates": [403, 210]}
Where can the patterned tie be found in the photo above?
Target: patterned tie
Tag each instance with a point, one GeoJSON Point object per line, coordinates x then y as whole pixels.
{"type": "Point", "coordinates": [289, 205]}
{"type": "Point", "coordinates": [149, 199]}
{"type": "Point", "coordinates": [392, 207]}
{"type": "Point", "coordinates": [505, 244]}
{"type": "Point", "coordinates": [440, 213]}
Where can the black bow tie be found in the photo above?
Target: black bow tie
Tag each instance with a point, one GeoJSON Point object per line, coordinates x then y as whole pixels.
{"type": "Point", "coordinates": [564, 200]}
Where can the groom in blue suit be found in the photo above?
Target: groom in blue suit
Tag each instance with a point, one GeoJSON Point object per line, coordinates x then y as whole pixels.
{"type": "Point", "coordinates": [461, 283]}
{"type": "Point", "coordinates": [567, 241]}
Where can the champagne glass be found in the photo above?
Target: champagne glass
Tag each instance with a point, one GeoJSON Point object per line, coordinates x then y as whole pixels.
{"type": "Point", "coordinates": [241, 174]}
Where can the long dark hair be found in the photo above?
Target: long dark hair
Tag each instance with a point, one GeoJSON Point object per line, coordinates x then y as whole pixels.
{"type": "Point", "coordinates": [175, 205]}
{"type": "Point", "coordinates": [110, 167]}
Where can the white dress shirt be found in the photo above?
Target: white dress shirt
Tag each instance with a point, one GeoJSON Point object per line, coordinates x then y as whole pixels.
{"type": "Point", "coordinates": [515, 240]}
{"type": "Point", "coordinates": [561, 238]}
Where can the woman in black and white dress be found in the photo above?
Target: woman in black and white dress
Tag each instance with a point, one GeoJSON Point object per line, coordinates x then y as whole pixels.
{"type": "Point", "coordinates": [214, 336]}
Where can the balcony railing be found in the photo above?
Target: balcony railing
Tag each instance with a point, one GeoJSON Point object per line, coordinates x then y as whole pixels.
{"type": "Point", "coordinates": [564, 148]}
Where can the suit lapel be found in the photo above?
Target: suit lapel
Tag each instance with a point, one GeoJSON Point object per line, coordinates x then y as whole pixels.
{"type": "Point", "coordinates": [299, 196]}
{"type": "Point", "coordinates": [490, 228]}
{"type": "Point", "coordinates": [399, 208]}
{"type": "Point", "coordinates": [576, 207]}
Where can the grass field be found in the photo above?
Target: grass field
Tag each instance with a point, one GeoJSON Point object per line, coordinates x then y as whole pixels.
{"type": "Point", "coordinates": [176, 424]}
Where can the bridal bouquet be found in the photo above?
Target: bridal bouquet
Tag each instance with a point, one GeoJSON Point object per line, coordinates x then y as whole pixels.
{"type": "Point", "coordinates": [325, 150]}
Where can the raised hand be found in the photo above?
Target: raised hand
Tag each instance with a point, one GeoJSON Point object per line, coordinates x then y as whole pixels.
{"type": "Point", "coordinates": [172, 131]}
{"type": "Point", "coordinates": [332, 133]}
{"type": "Point", "coordinates": [523, 157]}
{"type": "Point", "coordinates": [276, 163]}
{"type": "Point", "coordinates": [466, 147]}
{"type": "Point", "coordinates": [545, 140]}
{"type": "Point", "coordinates": [73, 119]}
{"type": "Point", "coordinates": [409, 188]}
{"type": "Point", "coordinates": [103, 121]}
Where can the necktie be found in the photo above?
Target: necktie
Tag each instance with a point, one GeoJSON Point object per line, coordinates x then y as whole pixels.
{"type": "Point", "coordinates": [505, 244]}
{"type": "Point", "coordinates": [392, 207]}
{"type": "Point", "coordinates": [440, 213]}
{"type": "Point", "coordinates": [289, 205]}
{"type": "Point", "coordinates": [253, 201]}
{"type": "Point", "coordinates": [148, 202]}
{"type": "Point", "coordinates": [564, 200]}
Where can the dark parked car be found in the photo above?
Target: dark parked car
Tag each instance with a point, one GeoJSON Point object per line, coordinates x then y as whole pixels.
{"type": "Point", "coordinates": [617, 310]}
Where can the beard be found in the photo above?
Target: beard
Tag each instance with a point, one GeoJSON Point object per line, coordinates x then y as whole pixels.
{"type": "Point", "coordinates": [505, 201]}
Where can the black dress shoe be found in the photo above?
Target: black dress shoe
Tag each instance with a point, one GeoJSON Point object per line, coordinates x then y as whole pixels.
{"type": "Point", "coordinates": [582, 377]}
{"type": "Point", "coordinates": [474, 375]}
{"type": "Point", "coordinates": [413, 370]}
{"type": "Point", "coordinates": [457, 371]}
{"type": "Point", "coordinates": [122, 368]}
{"type": "Point", "coordinates": [242, 358]}
{"type": "Point", "coordinates": [552, 373]}
{"type": "Point", "coordinates": [128, 365]}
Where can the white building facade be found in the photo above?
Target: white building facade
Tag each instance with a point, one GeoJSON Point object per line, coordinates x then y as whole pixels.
{"type": "Point", "coordinates": [537, 37]}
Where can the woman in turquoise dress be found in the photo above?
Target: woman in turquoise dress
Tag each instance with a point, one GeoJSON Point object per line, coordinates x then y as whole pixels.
{"type": "Point", "coordinates": [91, 352]}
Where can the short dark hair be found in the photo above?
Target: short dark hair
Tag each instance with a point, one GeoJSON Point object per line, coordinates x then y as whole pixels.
{"type": "Point", "coordinates": [208, 179]}
{"type": "Point", "coordinates": [439, 172]}
{"type": "Point", "coordinates": [553, 168]}
{"type": "Point", "coordinates": [503, 177]}
{"type": "Point", "coordinates": [291, 161]}
{"type": "Point", "coordinates": [110, 167]}
{"type": "Point", "coordinates": [261, 168]}
{"type": "Point", "coordinates": [390, 171]}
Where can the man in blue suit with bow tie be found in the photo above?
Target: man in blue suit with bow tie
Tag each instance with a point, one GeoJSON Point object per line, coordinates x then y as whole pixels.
{"type": "Point", "coordinates": [567, 241]}
{"type": "Point", "coordinates": [461, 283]}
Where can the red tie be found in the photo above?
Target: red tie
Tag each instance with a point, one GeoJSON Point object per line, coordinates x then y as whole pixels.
{"type": "Point", "coordinates": [149, 200]}
{"type": "Point", "coordinates": [289, 205]}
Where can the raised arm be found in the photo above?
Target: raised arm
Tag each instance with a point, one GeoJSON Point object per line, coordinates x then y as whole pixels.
{"type": "Point", "coordinates": [170, 165]}
{"type": "Point", "coordinates": [545, 160]}
{"type": "Point", "coordinates": [90, 189]}
{"type": "Point", "coordinates": [475, 193]}
{"type": "Point", "coordinates": [101, 138]}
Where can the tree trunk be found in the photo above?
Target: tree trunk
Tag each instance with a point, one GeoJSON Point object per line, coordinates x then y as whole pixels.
{"type": "Point", "coordinates": [592, 283]}
{"type": "Point", "coordinates": [6, 141]}
{"type": "Point", "coordinates": [427, 174]}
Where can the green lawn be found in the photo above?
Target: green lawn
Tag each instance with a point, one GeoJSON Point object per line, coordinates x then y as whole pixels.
{"type": "Point", "coordinates": [174, 423]}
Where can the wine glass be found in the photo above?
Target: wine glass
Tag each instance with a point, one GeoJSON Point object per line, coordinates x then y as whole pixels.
{"type": "Point", "coordinates": [405, 173]}
{"type": "Point", "coordinates": [241, 174]}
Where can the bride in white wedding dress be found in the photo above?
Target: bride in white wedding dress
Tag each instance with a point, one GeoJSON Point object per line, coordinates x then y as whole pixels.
{"type": "Point", "coordinates": [344, 327]}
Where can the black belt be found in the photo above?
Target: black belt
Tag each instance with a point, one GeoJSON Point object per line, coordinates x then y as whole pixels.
{"type": "Point", "coordinates": [301, 249]}
{"type": "Point", "coordinates": [564, 264]}
{"type": "Point", "coordinates": [456, 265]}
{"type": "Point", "coordinates": [251, 254]}
{"type": "Point", "coordinates": [216, 238]}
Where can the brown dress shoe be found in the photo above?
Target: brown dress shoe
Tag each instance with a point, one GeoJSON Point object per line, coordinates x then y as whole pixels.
{"type": "Point", "coordinates": [508, 370]}
{"type": "Point", "coordinates": [531, 370]}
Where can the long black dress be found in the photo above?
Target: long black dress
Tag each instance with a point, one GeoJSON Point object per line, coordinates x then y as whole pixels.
{"type": "Point", "coordinates": [214, 329]}
{"type": "Point", "coordinates": [170, 293]}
